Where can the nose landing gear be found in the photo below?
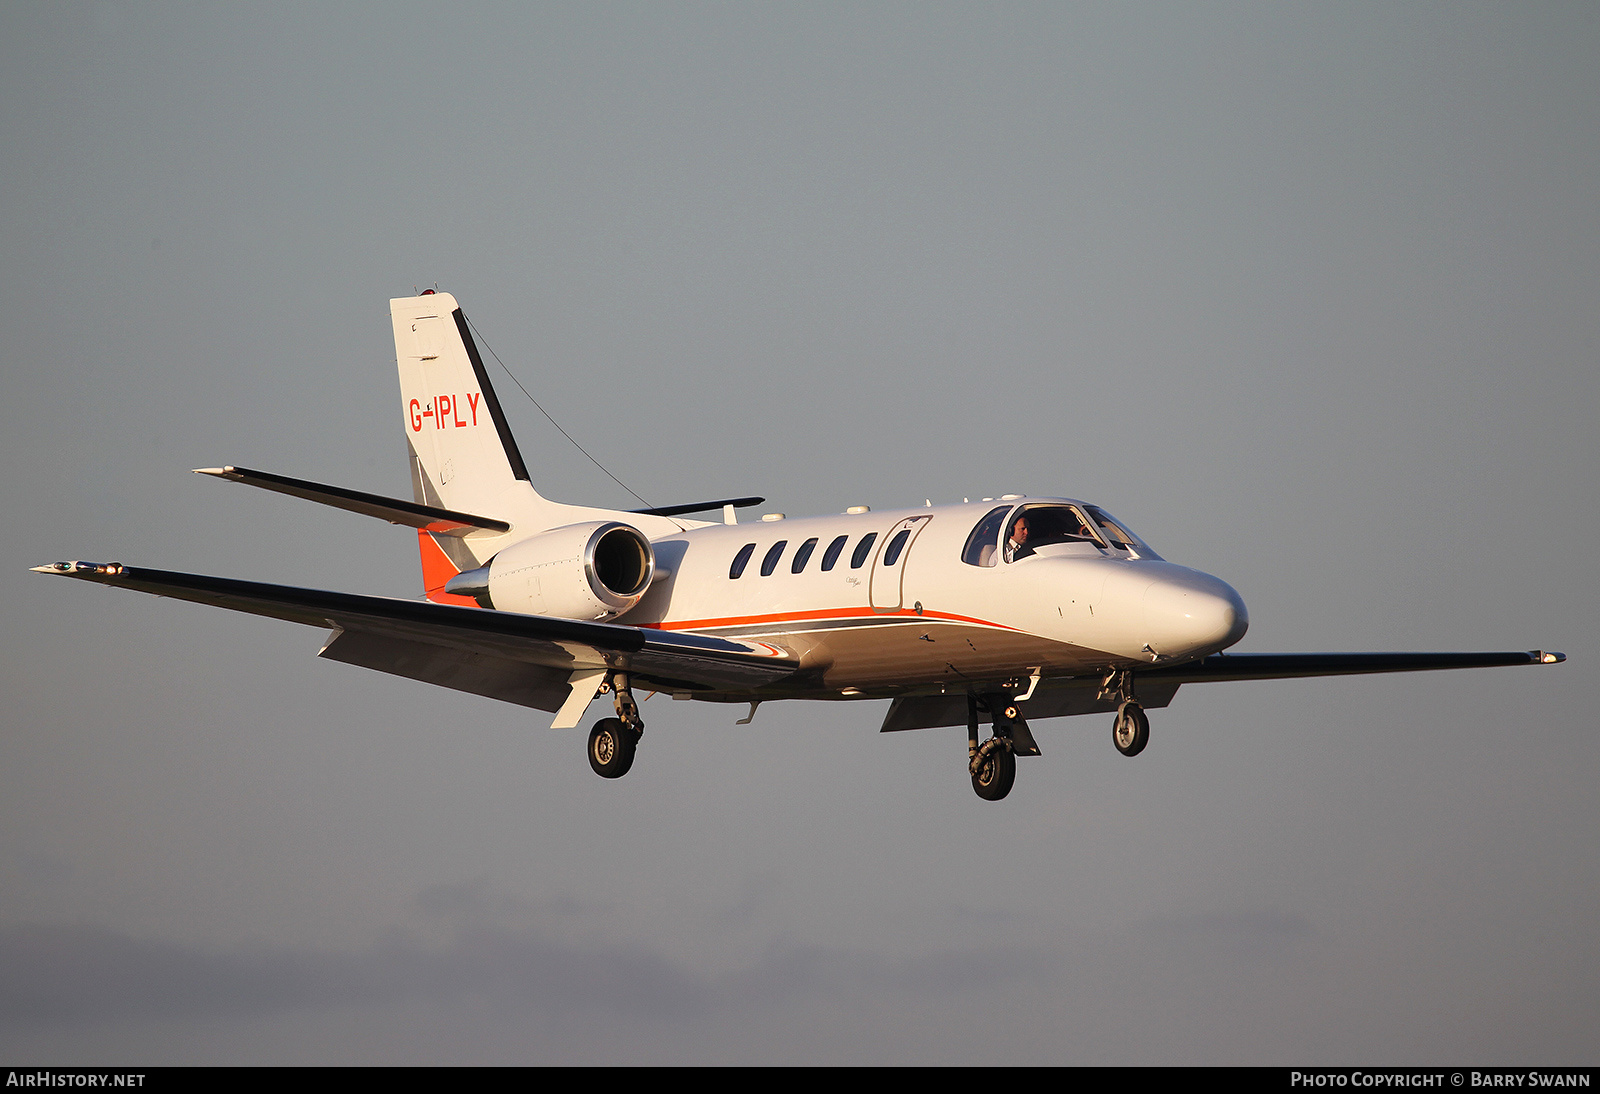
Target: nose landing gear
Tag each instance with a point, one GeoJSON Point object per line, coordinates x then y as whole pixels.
{"type": "Point", "coordinates": [1131, 731]}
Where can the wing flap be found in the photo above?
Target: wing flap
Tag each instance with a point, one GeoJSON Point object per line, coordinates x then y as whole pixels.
{"type": "Point", "coordinates": [476, 671]}
{"type": "Point", "coordinates": [670, 659]}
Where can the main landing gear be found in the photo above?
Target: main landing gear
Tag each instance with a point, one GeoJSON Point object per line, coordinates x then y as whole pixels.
{"type": "Point", "coordinates": [993, 764]}
{"type": "Point", "coordinates": [613, 741]}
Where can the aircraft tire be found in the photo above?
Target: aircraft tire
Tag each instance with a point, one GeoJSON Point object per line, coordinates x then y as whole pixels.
{"type": "Point", "coordinates": [611, 748]}
{"type": "Point", "coordinates": [995, 778]}
{"type": "Point", "coordinates": [1131, 731]}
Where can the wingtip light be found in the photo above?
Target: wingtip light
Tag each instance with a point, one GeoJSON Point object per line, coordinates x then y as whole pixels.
{"type": "Point", "coordinates": [110, 569]}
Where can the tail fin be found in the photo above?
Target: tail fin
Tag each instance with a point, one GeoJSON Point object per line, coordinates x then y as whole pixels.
{"type": "Point", "coordinates": [462, 453]}
{"type": "Point", "coordinates": [463, 457]}
{"type": "Point", "coordinates": [461, 448]}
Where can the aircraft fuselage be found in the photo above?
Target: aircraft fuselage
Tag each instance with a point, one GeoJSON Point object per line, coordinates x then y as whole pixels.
{"type": "Point", "coordinates": [880, 620]}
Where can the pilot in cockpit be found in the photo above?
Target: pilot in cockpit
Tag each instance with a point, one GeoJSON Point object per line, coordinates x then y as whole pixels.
{"type": "Point", "coordinates": [1043, 525]}
{"type": "Point", "coordinates": [1017, 542]}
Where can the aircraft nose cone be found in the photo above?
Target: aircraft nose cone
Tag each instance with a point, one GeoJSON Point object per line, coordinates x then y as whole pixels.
{"type": "Point", "coordinates": [1193, 614]}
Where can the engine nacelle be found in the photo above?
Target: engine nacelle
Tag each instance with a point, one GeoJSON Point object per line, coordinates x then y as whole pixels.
{"type": "Point", "coordinates": [583, 571]}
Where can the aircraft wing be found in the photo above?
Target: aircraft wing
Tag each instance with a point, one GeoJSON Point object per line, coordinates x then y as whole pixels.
{"type": "Point", "coordinates": [524, 659]}
{"type": "Point", "coordinates": [1288, 666]}
{"type": "Point", "coordinates": [1157, 685]}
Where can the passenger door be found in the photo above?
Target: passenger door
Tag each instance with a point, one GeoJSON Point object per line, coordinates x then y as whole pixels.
{"type": "Point", "coordinates": [887, 583]}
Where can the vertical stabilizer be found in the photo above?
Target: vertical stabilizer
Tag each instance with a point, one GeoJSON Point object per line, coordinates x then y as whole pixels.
{"type": "Point", "coordinates": [463, 454]}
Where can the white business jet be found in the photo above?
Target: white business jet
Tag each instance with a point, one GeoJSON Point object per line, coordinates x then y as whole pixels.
{"type": "Point", "coordinates": [1002, 611]}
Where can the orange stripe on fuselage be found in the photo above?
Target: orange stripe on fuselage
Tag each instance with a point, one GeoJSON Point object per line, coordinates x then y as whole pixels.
{"type": "Point", "coordinates": [824, 613]}
{"type": "Point", "coordinates": [436, 570]}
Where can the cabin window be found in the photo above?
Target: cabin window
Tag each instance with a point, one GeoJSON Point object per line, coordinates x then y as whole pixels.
{"type": "Point", "coordinates": [803, 555]}
{"type": "Point", "coordinates": [980, 549]}
{"type": "Point", "coordinates": [863, 549]}
{"type": "Point", "coordinates": [774, 553]}
{"type": "Point", "coordinates": [831, 555]}
{"type": "Point", "coordinates": [891, 553]}
{"type": "Point", "coordinates": [741, 560]}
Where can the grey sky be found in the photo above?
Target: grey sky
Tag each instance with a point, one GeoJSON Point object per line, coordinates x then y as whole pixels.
{"type": "Point", "coordinates": [1305, 293]}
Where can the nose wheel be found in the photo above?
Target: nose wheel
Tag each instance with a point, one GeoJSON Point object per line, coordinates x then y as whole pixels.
{"type": "Point", "coordinates": [1131, 731]}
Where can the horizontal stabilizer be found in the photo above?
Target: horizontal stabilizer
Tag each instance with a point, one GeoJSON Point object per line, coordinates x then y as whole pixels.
{"type": "Point", "coordinates": [444, 522]}
{"type": "Point", "coordinates": [666, 660]}
{"type": "Point", "coordinates": [698, 507]}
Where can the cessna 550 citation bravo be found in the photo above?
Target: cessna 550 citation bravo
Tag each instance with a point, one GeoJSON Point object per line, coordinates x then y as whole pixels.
{"type": "Point", "coordinates": [1006, 611]}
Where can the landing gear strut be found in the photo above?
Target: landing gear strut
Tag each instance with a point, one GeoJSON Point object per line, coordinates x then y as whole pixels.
{"type": "Point", "coordinates": [1131, 731]}
{"type": "Point", "coordinates": [613, 741]}
{"type": "Point", "coordinates": [993, 764]}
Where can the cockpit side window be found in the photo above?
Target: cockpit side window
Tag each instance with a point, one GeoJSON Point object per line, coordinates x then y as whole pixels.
{"type": "Point", "coordinates": [981, 544]}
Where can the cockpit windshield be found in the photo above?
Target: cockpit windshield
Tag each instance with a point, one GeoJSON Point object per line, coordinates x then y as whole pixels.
{"type": "Point", "coordinates": [1117, 532]}
{"type": "Point", "coordinates": [1036, 526]}
{"type": "Point", "coordinates": [1033, 527]}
